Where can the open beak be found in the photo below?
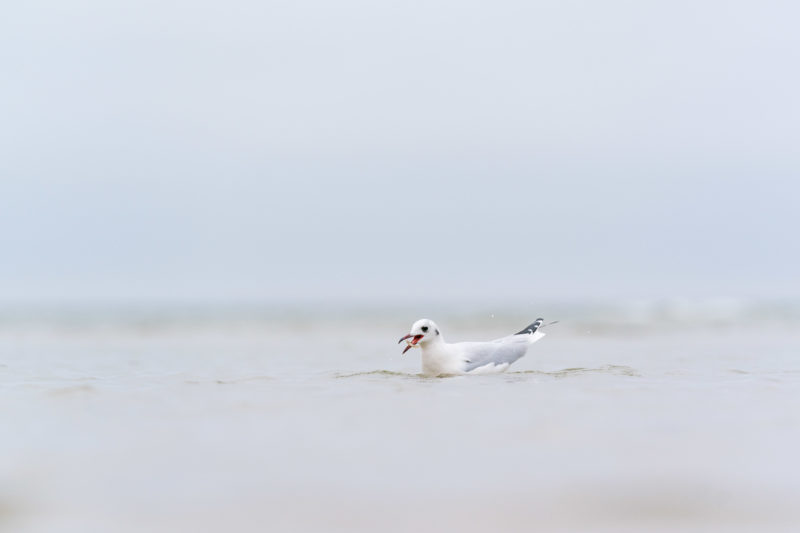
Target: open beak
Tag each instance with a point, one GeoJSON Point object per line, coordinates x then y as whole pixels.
{"type": "Point", "coordinates": [411, 343]}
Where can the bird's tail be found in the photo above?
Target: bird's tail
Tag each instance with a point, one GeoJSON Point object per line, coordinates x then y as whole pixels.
{"type": "Point", "coordinates": [530, 330]}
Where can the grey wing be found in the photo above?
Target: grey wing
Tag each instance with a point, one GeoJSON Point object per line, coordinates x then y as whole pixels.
{"type": "Point", "coordinates": [499, 352]}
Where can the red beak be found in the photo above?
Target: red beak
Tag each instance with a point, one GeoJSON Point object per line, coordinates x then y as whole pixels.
{"type": "Point", "coordinates": [412, 342]}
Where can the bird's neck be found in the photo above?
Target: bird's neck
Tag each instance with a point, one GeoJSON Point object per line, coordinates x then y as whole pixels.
{"type": "Point", "coordinates": [432, 343]}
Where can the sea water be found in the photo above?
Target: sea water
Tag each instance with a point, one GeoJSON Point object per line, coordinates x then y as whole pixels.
{"type": "Point", "coordinates": [304, 420]}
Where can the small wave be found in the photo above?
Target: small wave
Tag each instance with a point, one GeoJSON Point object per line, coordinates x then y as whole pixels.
{"type": "Point", "coordinates": [231, 381]}
{"type": "Point", "coordinates": [77, 389]}
{"type": "Point", "coordinates": [616, 370]}
{"type": "Point", "coordinates": [385, 373]}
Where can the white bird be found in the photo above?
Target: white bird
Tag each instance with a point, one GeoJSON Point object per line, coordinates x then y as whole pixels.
{"type": "Point", "coordinates": [442, 358]}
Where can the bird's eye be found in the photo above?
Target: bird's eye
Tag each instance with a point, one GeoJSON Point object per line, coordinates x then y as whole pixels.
{"type": "Point", "coordinates": [424, 328]}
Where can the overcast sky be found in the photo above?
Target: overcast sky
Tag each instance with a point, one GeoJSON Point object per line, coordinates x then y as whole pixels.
{"type": "Point", "coordinates": [387, 151]}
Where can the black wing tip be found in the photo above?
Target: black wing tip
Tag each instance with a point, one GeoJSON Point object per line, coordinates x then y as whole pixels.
{"type": "Point", "coordinates": [530, 330]}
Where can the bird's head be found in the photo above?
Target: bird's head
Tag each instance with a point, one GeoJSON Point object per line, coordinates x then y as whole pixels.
{"type": "Point", "coordinates": [423, 331]}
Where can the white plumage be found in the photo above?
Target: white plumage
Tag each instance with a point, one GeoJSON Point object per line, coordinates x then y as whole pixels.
{"type": "Point", "coordinates": [443, 358]}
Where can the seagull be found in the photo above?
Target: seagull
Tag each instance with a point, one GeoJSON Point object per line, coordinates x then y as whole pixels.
{"type": "Point", "coordinates": [441, 358]}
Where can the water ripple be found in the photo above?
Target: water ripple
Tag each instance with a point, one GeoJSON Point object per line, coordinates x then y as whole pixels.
{"type": "Point", "coordinates": [616, 370]}
{"type": "Point", "coordinates": [384, 373]}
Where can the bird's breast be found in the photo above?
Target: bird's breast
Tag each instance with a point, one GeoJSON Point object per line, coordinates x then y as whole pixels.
{"type": "Point", "coordinates": [438, 360]}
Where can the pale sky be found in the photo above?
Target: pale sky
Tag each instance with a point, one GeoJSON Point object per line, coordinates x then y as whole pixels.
{"type": "Point", "coordinates": [391, 151]}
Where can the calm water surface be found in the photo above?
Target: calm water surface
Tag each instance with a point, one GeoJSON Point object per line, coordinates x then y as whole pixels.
{"type": "Point", "coordinates": [317, 423]}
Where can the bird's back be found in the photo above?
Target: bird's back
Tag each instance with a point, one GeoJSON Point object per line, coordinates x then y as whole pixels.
{"type": "Point", "coordinates": [497, 354]}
